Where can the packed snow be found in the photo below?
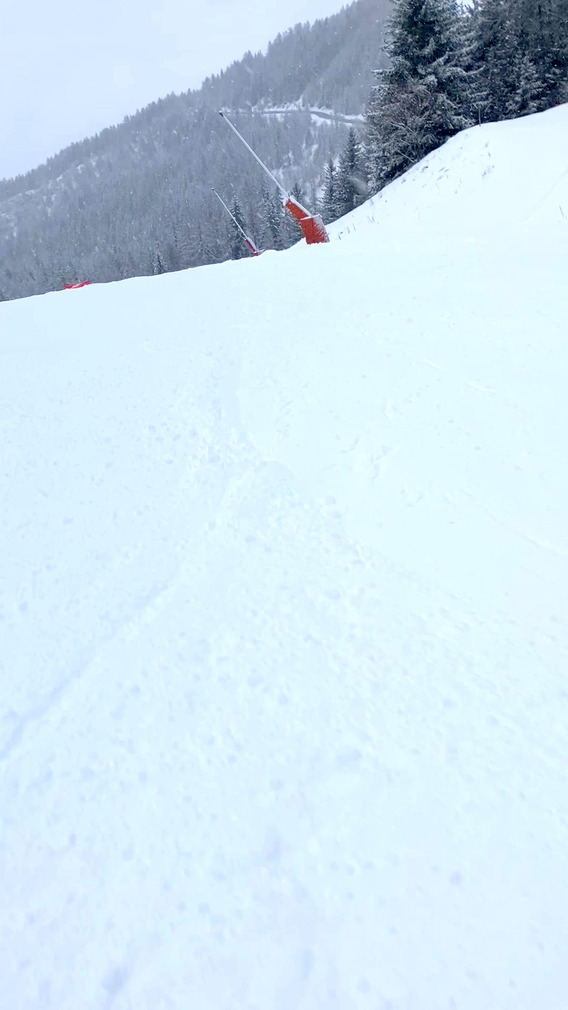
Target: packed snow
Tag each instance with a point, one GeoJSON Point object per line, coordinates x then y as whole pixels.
{"type": "Point", "coordinates": [283, 614]}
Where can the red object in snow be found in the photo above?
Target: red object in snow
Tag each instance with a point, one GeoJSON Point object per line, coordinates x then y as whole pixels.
{"type": "Point", "coordinates": [81, 284]}
{"type": "Point", "coordinates": [311, 224]}
{"type": "Point", "coordinates": [251, 247]}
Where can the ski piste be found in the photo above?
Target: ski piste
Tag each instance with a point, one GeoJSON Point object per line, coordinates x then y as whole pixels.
{"type": "Point", "coordinates": [312, 225]}
{"type": "Point", "coordinates": [249, 242]}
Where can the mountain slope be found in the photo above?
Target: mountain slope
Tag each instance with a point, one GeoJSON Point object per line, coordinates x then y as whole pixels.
{"type": "Point", "coordinates": [136, 199]}
{"type": "Point", "coordinates": [283, 612]}
{"type": "Point", "coordinates": [481, 180]}
{"type": "Point", "coordinates": [325, 65]}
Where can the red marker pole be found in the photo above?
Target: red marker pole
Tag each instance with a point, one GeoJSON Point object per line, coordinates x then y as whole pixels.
{"type": "Point", "coordinates": [311, 224]}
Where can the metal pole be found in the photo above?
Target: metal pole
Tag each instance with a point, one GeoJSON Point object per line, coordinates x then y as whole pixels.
{"type": "Point", "coordinates": [285, 195]}
{"type": "Point", "coordinates": [249, 148]}
{"type": "Point", "coordinates": [248, 240]}
{"type": "Point", "coordinates": [312, 226]}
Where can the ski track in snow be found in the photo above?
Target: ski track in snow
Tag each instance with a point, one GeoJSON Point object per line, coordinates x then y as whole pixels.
{"type": "Point", "coordinates": [283, 615]}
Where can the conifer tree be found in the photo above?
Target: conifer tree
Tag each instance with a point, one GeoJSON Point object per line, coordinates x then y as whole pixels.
{"type": "Point", "coordinates": [420, 101]}
{"type": "Point", "coordinates": [351, 186]}
{"type": "Point", "coordinates": [158, 264]}
{"type": "Point", "coordinates": [543, 29]}
{"type": "Point", "coordinates": [509, 80]}
{"type": "Point", "coordinates": [329, 202]}
{"type": "Point", "coordinates": [475, 99]}
{"type": "Point", "coordinates": [272, 215]}
{"type": "Point", "coordinates": [237, 245]}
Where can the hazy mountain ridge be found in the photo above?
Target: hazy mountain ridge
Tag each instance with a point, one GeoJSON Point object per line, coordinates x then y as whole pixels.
{"type": "Point", "coordinates": [136, 198]}
{"type": "Point", "coordinates": [332, 60]}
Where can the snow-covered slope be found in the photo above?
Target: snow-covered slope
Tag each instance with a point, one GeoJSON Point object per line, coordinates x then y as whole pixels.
{"type": "Point", "coordinates": [283, 614]}
{"type": "Point", "coordinates": [491, 178]}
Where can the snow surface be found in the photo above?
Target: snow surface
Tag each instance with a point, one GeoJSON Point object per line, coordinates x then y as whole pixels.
{"type": "Point", "coordinates": [283, 614]}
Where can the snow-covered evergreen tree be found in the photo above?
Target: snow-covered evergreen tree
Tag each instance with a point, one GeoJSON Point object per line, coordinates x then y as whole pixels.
{"type": "Point", "coordinates": [272, 215]}
{"type": "Point", "coordinates": [542, 36]}
{"type": "Point", "coordinates": [509, 80]}
{"type": "Point", "coordinates": [237, 245]}
{"type": "Point", "coordinates": [420, 101]}
{"type": "Point", "coordinates": [351, 183]}
{"type": "Point", "coordinates": [329, 201]}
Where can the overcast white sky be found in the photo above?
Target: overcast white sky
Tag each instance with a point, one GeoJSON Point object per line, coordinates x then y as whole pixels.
{"type": "Point", "coordinates": [68, 69]}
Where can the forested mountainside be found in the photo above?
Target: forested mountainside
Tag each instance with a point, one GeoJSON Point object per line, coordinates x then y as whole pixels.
{"type": "Point", "coordinates": [325, 65]}
{"type": "Point", "coordinates": [136, 198]}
